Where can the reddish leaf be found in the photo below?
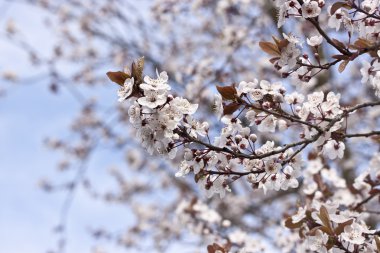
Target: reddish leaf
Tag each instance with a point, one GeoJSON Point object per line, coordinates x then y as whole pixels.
{"type": "Point", "coordinates": [340, 228]}
{"type": "Point", "coordinates": [227, 92]}
{"type": "Point", "coordinates": [230, 108]}
{"type": "Point", "coordinates": [215, 248]}
{"type": "Point", "coordinates": [210, 249]}
{"type": "Point", "coordinates": [289, 223]}
{"type": "Point", "coordinates": [269, 48]}
{"type": "Point", "coordinates": [118, 77]}
{"type": "Point", "coordinates": [282, 44]}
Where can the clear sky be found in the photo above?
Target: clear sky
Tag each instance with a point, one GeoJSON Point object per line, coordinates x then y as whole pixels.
{"type": "Point", "coordinates": [28, 114]}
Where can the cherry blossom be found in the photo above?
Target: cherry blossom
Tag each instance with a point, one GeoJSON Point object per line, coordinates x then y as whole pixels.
{"type": "Point", "coordinates": [310, 9]}
{"type": "Point", "coordinates": [315, 40]}
{"type": "Point", "coordinates": [126, 90]}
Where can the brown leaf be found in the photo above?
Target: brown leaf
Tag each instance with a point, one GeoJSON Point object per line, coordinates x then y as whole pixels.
{"type": "Point", "coordinates": [118, 77]}
{"type": "Point", "coordinates": [361, 44]}
{"type": "Point", "coordinates": [337, 6]}
{"type": "Point", "coordinates": [339, 43]}
{"type": "Point", "coordinates": [227, 92]}
{"type": "Point", "coordinates": [373, 53]}
{"type": "Point", "coordinates": [289, 223]}
{"type": "Point", "coordinates": [230, 108]}
{"type": "Point", "coordinates": [343, 66]}
{"type": "Point", "coordinates": [201, 174]}
{"type": "Point", "coordinates": [325, 218]}
{"type": "Point", "coordinates": [210, 249]}
{"type": "Point", "coordinates": [274, 59]}
{"type": "Point", "coordinates": [340, 228]}
{"type": "Point", "coordinates": [314, 230]}
{"type": "Point", "coordinates": [215, 248]}
{"type": "Point", "coordinates": [282, 44]}
{"type": "Point", "coordinates": [269, 48]}
{"type": "Point", "coordinates": [137, 70]}
{"type": "Point", "coordinates": [340, 57]}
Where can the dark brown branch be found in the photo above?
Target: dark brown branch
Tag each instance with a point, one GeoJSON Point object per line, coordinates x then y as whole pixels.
{"type": "Point", "coordinates": [327, 38]}
{"type": "Point", "coordinates": [362, 134]}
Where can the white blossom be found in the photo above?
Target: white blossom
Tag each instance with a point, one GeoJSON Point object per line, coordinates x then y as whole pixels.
{"type": "Point", "coordinates": [310, 9]}
{"type": "Point", "coordinates": [315, 40]}
{"type": "Point", "coordinates": [126, 89]}
{"type": "Point", "coordinates": [334, 149]}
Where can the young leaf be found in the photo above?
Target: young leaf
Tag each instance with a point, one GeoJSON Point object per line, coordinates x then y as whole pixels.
{"type": "Point", "coordinates": [361, 44]}
{"type": "Point", "coordinates": [343, 66]}
{"type": "Point", "coordinates": [340, 228]}
{"type": "Point", "coordinates": [340, 57]}
{"type": "Point", "coordinates": [118, 77]}
{"type": "Point", "coordinates": [230, 108]}
{"type": "Point", "coordinates": [282, 44]}
{"type": "Point", "coordinates": [137, 69]}
{"type": "Point", "coordinates": [325, 218]}
{"type": "Point", "coordinates": [339, 43]}
{"type": "Point", "coordinates": [291, 225]}
{"type": "Point", "coordinates": [227, 92]}
{"type": "Point", "coordinates": [337, 6]}
{"type": "Point", "coordinates": [269, 48]}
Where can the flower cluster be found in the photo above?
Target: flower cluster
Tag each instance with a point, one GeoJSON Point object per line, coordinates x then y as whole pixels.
{"type": "Point", "coordinates": [156, 114]}
{"type": "Point", "coordinates": [203, 220]}
{"type": "Point", "coordinates": [371, 74]}
{"type": "Point", "coordinates": [324, 226]}
{"type": "Point", "coordinates": [360, 20]}
{"type": "Point", "coordinates": [292, 8]}
{"type": "Point", "coordinates": [165, 122]}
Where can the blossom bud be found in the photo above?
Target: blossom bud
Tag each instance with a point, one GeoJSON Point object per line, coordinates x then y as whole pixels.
{"type": "Point", "coordinates": [205, 126]}
{"type": "Point", "coordinates": [306, 78]}
{"type": "Point", "coordinates": [253, 138]}
{"type": "Point", "coordinates": [238, 138]}
{"type": "Point", "coordinates": [170, 97]}
{"type": "Point", "coordinates": [226, 223]}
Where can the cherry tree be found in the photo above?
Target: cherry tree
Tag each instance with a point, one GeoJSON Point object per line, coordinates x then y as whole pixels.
{"type": "Point", "coordinates": [261, 119]}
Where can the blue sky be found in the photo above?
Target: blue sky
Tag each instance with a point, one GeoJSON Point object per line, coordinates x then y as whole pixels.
{"type": "Point", "coordinates": [28, 114]}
